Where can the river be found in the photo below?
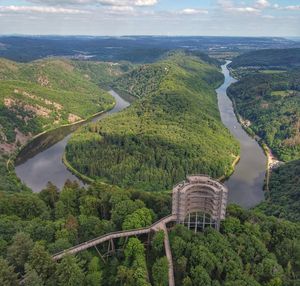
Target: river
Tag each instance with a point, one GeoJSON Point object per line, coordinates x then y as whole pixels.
{"type": "Point", "coordinates": [246, 183]}
{"type": "Point", "coordinates": [41, 160]}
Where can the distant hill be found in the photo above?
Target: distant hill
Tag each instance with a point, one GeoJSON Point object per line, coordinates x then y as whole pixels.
{"type": "Point", "coordinates": [173, 129]}
{"type": "Point", "coordinates": [138, 49]}
{"type": "Point", "coordinates": [48, 93]}
{"type": "Point", "coordinates": [284, 58]}
{"type": "Point", "coordinates": [146, 79]}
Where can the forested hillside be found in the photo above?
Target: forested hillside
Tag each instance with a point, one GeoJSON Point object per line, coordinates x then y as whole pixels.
{"type": "Point", "coordinates": [251, 249]}
{"type": "Point", "coordinates": [48, 93]}
{"type": "Point", "coordinates": [268, 96]}
{"type": "Point", "coordinates": [271, 102]}
{"type": "Point", "coordinates": [276, 58]}
{"type": "Point", "coordinates": [45, 94]}
{"type": "Point", "coordinates": [283, 200]}
{"type": "Point", "coordinates": [173, 129]}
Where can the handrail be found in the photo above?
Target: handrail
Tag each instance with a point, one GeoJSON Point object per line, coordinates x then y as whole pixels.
{"type": "Point", "coordinates": [115, 234]}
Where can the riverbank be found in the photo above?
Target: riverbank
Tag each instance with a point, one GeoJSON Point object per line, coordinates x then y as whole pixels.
{"type": "Point", "coordinates": [225, 177]}
{"type": "Point", "coordinates": [272, 160]}
{"type": "Point", "coordinates": [42, 156]}
{"type": "Point", "coordinates": [82, 177]}
{"type": "Point", "coordinates": [10, 163]}
{"type": "Point", "coordinates": [246, 182]}
{"type": "Point", "coordinates": [233, 165]}
{"type": "Point", "coordinates": [80, 122]}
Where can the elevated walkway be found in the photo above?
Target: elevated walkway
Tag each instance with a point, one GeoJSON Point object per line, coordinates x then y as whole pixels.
{"type": "Point", "coordinates": [198, 193]}
{"type": "Point", "coordinates": [159, 225]}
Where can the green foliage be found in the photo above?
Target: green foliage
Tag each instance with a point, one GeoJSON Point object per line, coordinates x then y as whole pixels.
{"type": "Point", "coordinates": [7, 275]}
{"type": "Point", "coordinates": [140, 218]}
{"type": "Point", "coordinates": [102, 73]}
{"type": "Point", "coordinates": [9, 182]}
{"type": "Point", "coordinates": [285, 58]}
{"type": "Point", "coordinates": [283, 198]}
{"type": "Point", "coordinates": [158, 243]}
{"type": "Point", "coordinates": [271, 103]}
{"type": "Point", "coordinates": [251, 249]}
{"type": "Point", "coordinates": [256, 251]}
{"type": "Point", "coordinates": [41, 262]}
{"type": "Point", "coordinates": [42, 94]}
{"type": "Point", "coordinates": [200, 277]}
{"type": "Point", "coordinates": [135, 260]}
{"type": "Point", "coordinates": [58, 220]}
{"type": "Point", "coordinates": [31, 277]}
{"type": "Point", "coordinates": [173, 129]}
{"type": "Point", "coordinates": [18, 252]}
{"type": "Point", "coordinates": [94, 276]}
{"type": "Point", "coordinates": [142, 80]}
{"type": "Point", "coordinates": [160, 272]}
{"type": "Point", "coordinates": [69, 272]}
{"type": "Point", "coordinates": [124, 208]}
{"type": "Point", "coordinates": [24, 205]}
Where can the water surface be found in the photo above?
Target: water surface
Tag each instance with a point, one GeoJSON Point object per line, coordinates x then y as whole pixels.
{"type": "Point", "coordinates": [246, 184]}
{"type": "Point", "coordinates": [40, 161]}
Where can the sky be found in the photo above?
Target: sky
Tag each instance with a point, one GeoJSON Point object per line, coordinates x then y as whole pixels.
{"type": "Point", "coordinates": [151, 17]}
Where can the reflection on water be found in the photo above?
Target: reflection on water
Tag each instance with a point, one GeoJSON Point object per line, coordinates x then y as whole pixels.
{"type": "Point", "coordinates": [246, 184]}
{"type": "Point", "coordinates": [41, 160]}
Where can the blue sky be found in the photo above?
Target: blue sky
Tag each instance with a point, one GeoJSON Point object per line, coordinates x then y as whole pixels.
{"type": "Point", "coordinates": [151, 17]}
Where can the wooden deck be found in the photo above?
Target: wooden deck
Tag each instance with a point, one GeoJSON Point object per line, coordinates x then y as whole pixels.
{"type": "Point", "coordinates": [159, 225]}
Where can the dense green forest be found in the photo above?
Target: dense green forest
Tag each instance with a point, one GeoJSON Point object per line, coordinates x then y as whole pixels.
{"type": "Point", "coordinates": [271, 102]}
{"type": "Point", "coordinates": [174, 128]}
{"type": "Point", "coordinates": [44, 94]}
{"type": "Point", "coordinates": [251, 249]}
{"type": "Point", "coordinates": [277, 58]}
{"type": "Point", "coordinates": [9, 182]}
{"type": "Point", "coordinates": [283, 200]}
{"type": "Point", "coordinates": [268, 95]}
{"type": "Point", "coordinates": [48, 93]}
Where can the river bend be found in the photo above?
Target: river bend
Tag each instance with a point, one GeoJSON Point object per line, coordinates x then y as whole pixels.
{"type": "Point", "coordinates": [41, 160]}
{"type": "Point", "coordinates": [47, 166]}
{"type": "Point", "coordinates": [246, 183]}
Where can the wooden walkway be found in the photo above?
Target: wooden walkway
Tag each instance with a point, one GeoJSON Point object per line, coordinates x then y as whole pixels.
{"type": "Point", "coordinates": [168, 253]}
{"type": "Point", "coordinates": [159, 225]}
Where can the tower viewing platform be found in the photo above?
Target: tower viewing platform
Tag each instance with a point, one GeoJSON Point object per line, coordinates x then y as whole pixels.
{"type": "Point", "coordinates": [199, 201]}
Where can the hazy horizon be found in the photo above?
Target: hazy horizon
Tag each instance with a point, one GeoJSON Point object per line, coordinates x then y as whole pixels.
{"type": "Point", "coordinates": [249, 18]}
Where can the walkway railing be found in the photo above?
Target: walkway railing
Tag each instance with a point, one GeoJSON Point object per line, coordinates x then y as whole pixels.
{"type": "Point", "coordinates": [112, 235]}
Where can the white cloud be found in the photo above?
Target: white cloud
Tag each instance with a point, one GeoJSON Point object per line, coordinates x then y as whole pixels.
{"type": "Point", "coordinates": [102, 2]}
{"type": "Point", "coordinates": [290, 7]}
{"type": "Point", "coordinates": [145, 2]}
{"type": "Point", "coordinates": [120, 10]}
{"type": "Point", "coordinates": [230, 6]}
{"type": "Point", "coordinates": [262, 4]}
{"type": "Point", "coordinates": [244, 9]}
{"type": "Point", "coordinates": [191, 11]}
{"type": "Point", "coordinates": [294, 8]}
{"type": "Point", "coordinates": [41, 9]}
